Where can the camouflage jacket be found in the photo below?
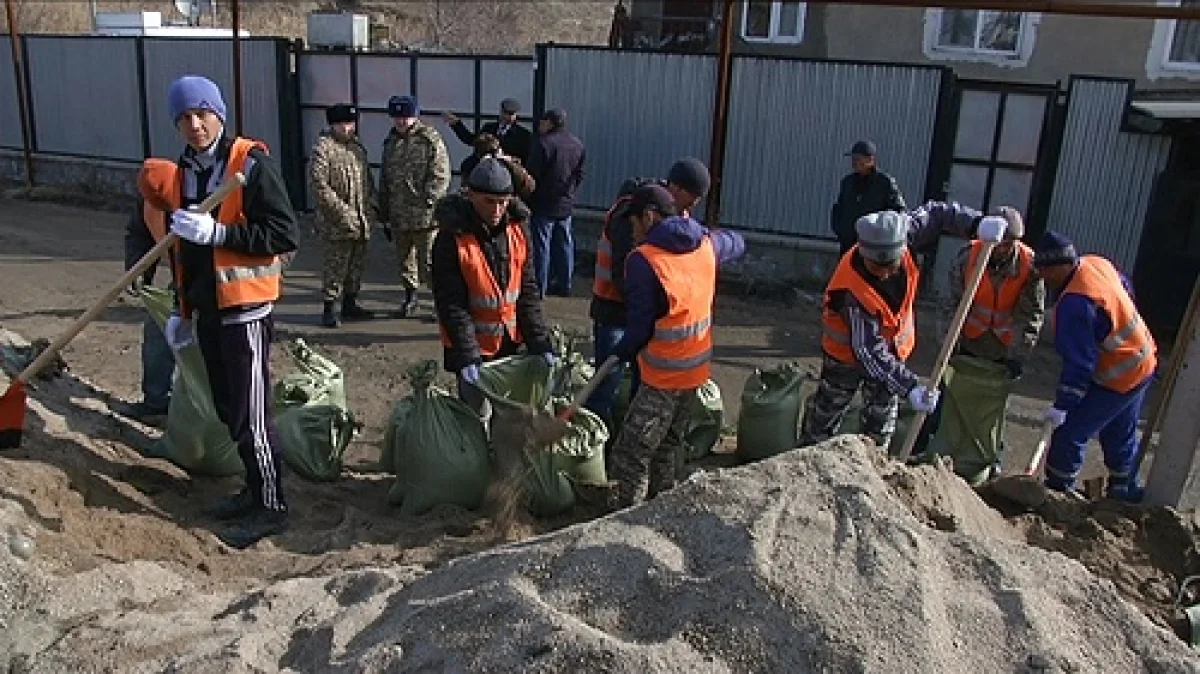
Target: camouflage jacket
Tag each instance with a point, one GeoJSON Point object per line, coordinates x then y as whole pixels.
{"type": "Point", "coordinates": [416, 173]}
{"type": "Point", "coordinates": [344, 189]}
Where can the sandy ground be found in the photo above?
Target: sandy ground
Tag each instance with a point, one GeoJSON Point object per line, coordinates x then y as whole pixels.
{"type": "Point", "coordinates": [94, 500]}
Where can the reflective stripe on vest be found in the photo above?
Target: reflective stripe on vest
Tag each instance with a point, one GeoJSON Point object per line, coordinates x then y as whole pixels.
{"type": "Point", "coordinates": [992, 307]}
{"type": "Point", "coordinates": [1128, 353]}
{"type": "Point", "coordinates": [243, 279]}
{"type": "Point", "coordinates": [679, 352]}
{"type": "Point", "coordinates": [603, 285]}
{"type": "Point", "coordinates": [493, 309]}
{"type": "Point", "coordinates": [898, 329]}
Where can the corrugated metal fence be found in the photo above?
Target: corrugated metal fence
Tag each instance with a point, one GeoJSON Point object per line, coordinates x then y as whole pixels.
{"type": "Point", "coordinates": [1105, 176]}
{"type": "Point", "coordinates": [792, 123]}
{"type": "Point", "coordinates": [104, 98]}
{"type": "Point", "coordinates": [636, 112]}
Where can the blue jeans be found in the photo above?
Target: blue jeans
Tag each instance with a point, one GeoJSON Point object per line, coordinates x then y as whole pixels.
{"type": "Point", "coordinates": [1114, 418]}
{"type": "Point", "coordinates": [158, 366]}
{"type": "Point", "coordinates": [553, 254]}
{"type": "Point", "coordinates": [604, 397]}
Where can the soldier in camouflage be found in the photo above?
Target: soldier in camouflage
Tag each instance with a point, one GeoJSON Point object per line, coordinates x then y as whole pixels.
{"type": "Point", "coordinates": [346, 206]}
{"type": "Point", "coordinates": [416, 173]}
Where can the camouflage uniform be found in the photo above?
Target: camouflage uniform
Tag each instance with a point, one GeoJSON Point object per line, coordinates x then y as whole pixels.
{"type": "Point", "coordinates": [416, 173]}
{"type": "Point", "coordinates": [646, 455]}
{"type": "Point", "coordinates": [346, 206]}
{"type": "Point", "coordinates": [827, 409]}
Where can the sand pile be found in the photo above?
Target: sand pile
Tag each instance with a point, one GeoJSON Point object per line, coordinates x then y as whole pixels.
{"type": "Point", "coordinates": [824, 559]}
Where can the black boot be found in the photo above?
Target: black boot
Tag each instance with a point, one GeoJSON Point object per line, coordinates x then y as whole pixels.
{"type": "Point", "coordinates": [410, 303]}
{"type": "Point", "coordinates": [330, 318]}
{"type": "Point", "coordinates": [353, 311]}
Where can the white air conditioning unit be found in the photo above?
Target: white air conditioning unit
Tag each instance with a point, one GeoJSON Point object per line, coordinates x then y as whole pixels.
{"type": "Point", "coordinates": [339, 30]}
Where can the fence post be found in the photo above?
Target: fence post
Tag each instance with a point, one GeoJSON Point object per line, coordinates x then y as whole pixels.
{"type": "Point", "coordinates": [143, 107]}
{"type": "Point", "coordinates": [539, 83]}
{"type": "Point", "coordinates": [720, 121]}
{"type": "Point", "coordinates": [23, 92]}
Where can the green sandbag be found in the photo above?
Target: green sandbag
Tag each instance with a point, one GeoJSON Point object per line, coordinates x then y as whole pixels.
{"type": "Point", "coordinates": [770, 412]}
{"type": "Point", "coordinates": [195, 439]}
{"type": "Point", "coordinates": [438, 448]}
{"type": "Point", "coordinates": [517, 382]}
{"type": "Point", "coordinates": [311, 414]}
{"type": "Point", "coordinates": [707, 418]}
{"type": "Point", "coordinates": [973, 409]}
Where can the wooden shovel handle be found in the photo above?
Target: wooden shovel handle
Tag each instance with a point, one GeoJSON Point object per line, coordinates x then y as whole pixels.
{"type": "Point", "coordinates": [231, 183]}
{"type": "Point", "coordinates": [1035, 461]}
{"type": "Point", "coordinates": [589, 388]}
{"type": "Point", "coordinates": [949, 342]}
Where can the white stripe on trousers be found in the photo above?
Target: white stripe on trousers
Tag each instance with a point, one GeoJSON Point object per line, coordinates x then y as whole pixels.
{"type": "Point", "coordinates": [258, 418]}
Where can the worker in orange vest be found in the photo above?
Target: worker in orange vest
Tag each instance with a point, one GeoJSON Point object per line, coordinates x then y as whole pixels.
{"type": "Point", "coordinates": [228, 272]}
{"type": "Point", "coordinates": [1006, 314]}
{"type": "Point", "coordinates": [687, 181]}
{"type": "Point", "coordinates": [670, 285]}
{"type": "Point", "coordinates": [869, 323]}
{"type": "Point", "coordinates": [1109, 360]}
{"type": "Point", "coordinates": [486, 295]}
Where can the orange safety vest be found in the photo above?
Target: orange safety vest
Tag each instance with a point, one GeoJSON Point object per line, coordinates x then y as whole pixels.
{"type": "Point", "coordinates": [493, 309]}
{"type": "Point", "coordinates": [679, 352]}
{"type": "Point", "coordinates": [898, 329]}
{"type": "Point", "coordinates": [603, 286]}
{"type": "Point", "coordinates": [242, 279]}
{"type": "Point", "coordinates": [993, 306]}
{"type": "Point", "coordinates": [1128, 354]}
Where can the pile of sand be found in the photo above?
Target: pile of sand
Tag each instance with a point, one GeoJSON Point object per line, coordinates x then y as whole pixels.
{"type": "Point", "coordinates": [824, 559]}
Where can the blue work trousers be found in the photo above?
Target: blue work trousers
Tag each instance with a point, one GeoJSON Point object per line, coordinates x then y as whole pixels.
{"type": "Point", "coordinates": [1108, 415]}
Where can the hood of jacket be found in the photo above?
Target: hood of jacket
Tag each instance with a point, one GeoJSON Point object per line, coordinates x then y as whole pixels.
{"type": "Point", "coordinates": [676, 234]}
{"type": "Point", "coordinates": [456, 214]}
{"type": "Point", "coordinates": [418, 128]}
{"type": "Point", "coordinates": [328, 136]}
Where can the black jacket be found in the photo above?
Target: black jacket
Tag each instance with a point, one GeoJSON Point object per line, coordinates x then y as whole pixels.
{"type": "Point", "coordinates": [138, 242]}
{"type": "Point", "coordinates": [556, 163]}
{"type": "Point", "coordinates": [860, 195]}
{"type": "Point", "coordinates": [270, 227]}
{"type": "Point", "coordinates": [515, 143]}
{"type": "Point", "coordinates": [620, 236]}
{"type": "Point", "coordinates": [454, 214]}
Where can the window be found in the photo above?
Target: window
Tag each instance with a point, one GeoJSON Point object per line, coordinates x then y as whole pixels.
{"type": "Point", "coordinates": [1183, 49]}
{"type": "Point", "coordinates": [982, 31]}
{"type": "Point", "coordinates": [979, 35]}
{"type": "Point", "coordinates": [764, 21]}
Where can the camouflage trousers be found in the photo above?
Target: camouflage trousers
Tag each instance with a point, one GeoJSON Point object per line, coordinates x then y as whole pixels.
{"type": "Point", "coordinates": [645, 458]}
{"type": "Point", "coordinates": [343, 268]}
{"type": "Point", "coordinates": [414, 251]}
{"type": "Point", "coordinates": [828, 407]}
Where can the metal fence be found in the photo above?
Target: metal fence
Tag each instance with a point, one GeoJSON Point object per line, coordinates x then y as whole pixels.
{"type": "Point", "coordinates": [10, 110]}
{"type": "Point", "coordinates": [470, 87]}
{"type": "Point", "coordinates": [792, 122]}
{"type": "Point", "coordinates": [1105, 176]}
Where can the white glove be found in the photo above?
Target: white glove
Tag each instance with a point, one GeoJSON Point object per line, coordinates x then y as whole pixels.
{"type": "Point", "coordinates": [199, 228]}
{"type": "Point", "coordinates": [923, 399]}
{"type": "Point", "coordinates": [1055, 416]}
{"type": "Point", "coordinates": [179, 332]}
{"type": "Point", "coordinates": [992, 229]}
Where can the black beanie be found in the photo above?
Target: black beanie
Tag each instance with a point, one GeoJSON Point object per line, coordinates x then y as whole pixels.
{"type": "Point", "coordinates": [341, 113]}
{"type": "Point", "coordinates": [691, 174]}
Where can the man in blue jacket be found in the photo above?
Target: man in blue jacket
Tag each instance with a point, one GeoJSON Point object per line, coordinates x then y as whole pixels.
{"type": "Point", "coordinates": [670, 285]}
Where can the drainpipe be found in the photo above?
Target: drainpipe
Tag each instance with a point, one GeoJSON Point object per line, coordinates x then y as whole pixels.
{"type": "Point", "coordinates": [720, 122]}
{"type": "Point", "coordinates": [237, 64]}
{"type": "Point", "coordinates": [14, 40]}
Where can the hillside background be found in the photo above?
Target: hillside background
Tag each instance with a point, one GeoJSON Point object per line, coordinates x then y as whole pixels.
{"type": "Point", "coordinates": [487, 26]}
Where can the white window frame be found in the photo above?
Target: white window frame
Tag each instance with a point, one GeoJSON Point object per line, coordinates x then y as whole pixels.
{"type": "Point", "coordinates": [773, 36]}
{"type": "Point", "coordinates": [1158, 61]}
{"type": "Point", "coordinates": [1010, 59]}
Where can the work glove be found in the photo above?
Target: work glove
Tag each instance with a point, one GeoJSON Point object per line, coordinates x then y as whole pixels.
{"type": "Point", "coordinates": [1015, 367]}
{"type": "Point", "coordinates": [470, 374]}
{"type": "Point", "coordinates": [992, 229]}
{"type": "Point", "coordinates": [178, 332]}
{"type": "Point", "coordinates": [1055, 416]}
{"type": "Point", "coordinates": [199, 228]}
{"type": "Point", "coordinates": [923, 399]}
{"type": "Point", "coordinates": [550, 358]}
{"type": "Point", "coordinates": [137, 288]}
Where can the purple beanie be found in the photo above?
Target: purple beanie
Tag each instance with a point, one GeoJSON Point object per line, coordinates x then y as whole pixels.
{"type": "Point", "coordinates": [192, 92]}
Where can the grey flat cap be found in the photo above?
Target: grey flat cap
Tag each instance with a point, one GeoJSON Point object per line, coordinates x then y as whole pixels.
{"type": "Point", "coordinates": [883, 236]}
{"type": "Point", "coordinates": [491, 176]}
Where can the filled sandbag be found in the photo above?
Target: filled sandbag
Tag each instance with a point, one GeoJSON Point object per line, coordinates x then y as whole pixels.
{"type": "Point", "coordinates": [437, 446]}
{"type": "Point", "coordinates": [311, 414]}
{"type": "Point", "coordinates": [974, 404]}
{"type": "Point", "coordinates": [707, 418]}
{"type": "Point", "coordinates": [194, 438]}
{"type": "Point", "coordinates": [770, 412]}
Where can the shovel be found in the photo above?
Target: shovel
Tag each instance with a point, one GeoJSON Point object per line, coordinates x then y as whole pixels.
{"type": "Point", "coordinates": [550, 429]}
{"type": "Point", "coordinates": [12, 402]}
{"type": "Point", "coordinates": [1025, 488]}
